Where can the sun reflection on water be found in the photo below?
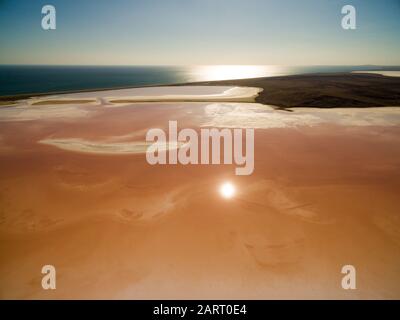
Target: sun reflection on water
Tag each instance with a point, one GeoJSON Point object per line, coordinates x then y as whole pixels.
{"type": "Point", "coordinates": [226, 72]}
{"type": "Point", "coordinates": [227, 190]}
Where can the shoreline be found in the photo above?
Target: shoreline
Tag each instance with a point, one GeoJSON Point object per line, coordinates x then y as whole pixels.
{"type": "Point", "coordinates": [324, 90]}
{"type": "Point", "coordinates": [313, 90]}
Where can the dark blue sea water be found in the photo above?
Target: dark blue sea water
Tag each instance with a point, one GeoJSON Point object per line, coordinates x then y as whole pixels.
{"type": "Point", "coordinates": [43, 79]}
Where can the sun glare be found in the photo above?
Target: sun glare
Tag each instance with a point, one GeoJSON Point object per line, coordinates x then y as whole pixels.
{"type": "Point", "coordinates": [225, 72]}
{"type": "Point", "coordinates": [227, 190]}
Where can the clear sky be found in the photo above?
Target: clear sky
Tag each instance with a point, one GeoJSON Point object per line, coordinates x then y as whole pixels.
{"type": "Point", "coordinates": [187, 32]}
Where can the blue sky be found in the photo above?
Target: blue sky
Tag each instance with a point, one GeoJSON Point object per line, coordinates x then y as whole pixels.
{"type": "Point", "coordinates": [187, 32]}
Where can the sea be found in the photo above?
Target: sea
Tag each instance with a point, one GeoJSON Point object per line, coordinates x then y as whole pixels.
{"type": "Point", "coordinates": [31, 79]}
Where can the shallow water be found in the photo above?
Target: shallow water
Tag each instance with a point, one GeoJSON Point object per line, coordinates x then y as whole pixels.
{"type": "Point", "coordinates": [324, 193]}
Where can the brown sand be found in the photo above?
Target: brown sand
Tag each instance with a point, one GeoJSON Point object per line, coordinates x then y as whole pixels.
{"type": "Point", "coordinates": [115, 227]}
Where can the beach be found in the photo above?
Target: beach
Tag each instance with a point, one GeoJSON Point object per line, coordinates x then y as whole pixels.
{"type": "Point", "coordinates": [77, 193]}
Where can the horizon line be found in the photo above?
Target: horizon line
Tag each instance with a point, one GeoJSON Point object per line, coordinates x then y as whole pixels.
{"type": "Point", "coordinates": [194, 65]}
